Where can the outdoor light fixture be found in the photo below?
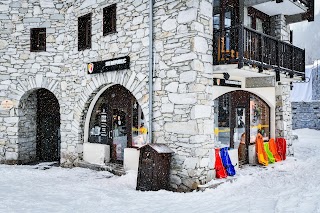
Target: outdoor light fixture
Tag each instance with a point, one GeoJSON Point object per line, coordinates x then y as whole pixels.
{"type": "Point", "coordinates": [226, 75]}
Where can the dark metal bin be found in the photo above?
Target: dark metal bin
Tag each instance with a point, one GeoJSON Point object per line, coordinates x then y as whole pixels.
{"type": "Point", "coordinates": [154, 167]}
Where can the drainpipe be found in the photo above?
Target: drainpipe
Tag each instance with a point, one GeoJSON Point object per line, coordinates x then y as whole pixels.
{"type": "Point", "coordinates": [150, 69]}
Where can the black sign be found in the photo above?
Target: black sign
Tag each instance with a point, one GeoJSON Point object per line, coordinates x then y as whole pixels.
{"type": "Point", "coordinates": [226, 83]}
{"type": "Point", "coordinates": [109, 65]}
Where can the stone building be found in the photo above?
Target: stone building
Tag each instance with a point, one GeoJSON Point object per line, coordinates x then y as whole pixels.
{"type": "Point", "coordinates": [75, 79]}
{"type": "Point", "coordinates": [306, 100]}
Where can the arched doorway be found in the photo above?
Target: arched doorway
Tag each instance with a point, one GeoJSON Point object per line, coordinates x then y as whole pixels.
{"type": "Point", "coordinates": [117, 120]}
{"type": "Point", "coordinates": [39, 127]}
{"type": "Point", "coordinates": [239, 116]}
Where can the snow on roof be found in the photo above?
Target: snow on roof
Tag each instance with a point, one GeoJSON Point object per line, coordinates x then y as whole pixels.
{"type": "Point", "coordinates": [160, 148]}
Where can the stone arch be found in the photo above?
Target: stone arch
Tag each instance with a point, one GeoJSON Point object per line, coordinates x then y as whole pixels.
{"type": "Point", "coordinates": [18, 92]}
{"type": "Point", "coordinates": [26, 86]}
{"type": "Point", "coordinates": [261, 95]}
{"type": "Point", "coordinates": [245, 102]}
{"type": "Point", "coordinates": [136, 84]}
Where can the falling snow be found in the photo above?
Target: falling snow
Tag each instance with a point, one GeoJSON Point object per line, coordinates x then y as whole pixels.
{"type": "Point", "coordinates": [289, 186]}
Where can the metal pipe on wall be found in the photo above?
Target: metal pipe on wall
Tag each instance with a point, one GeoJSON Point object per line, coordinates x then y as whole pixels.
{"type": "Point", "coordinates": [150, 70]}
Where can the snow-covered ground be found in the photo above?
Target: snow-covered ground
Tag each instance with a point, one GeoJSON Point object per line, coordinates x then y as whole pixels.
{"type": "Point", "coordinates": [289, 186]}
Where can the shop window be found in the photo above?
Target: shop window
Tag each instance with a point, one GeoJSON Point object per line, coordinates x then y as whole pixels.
{"type": "Point", "coordinates": [38, 39]}
{"type": "Point", "coordinates": [259, 119]}
{"type": "Point", "coordinates": [84, 32]}
{"type": "Point", "coordinates": [236, 110]}
{"type": "Point", "coordinates": [109, 19]}
{"type": "Point", "coordinates": [222, 119]}
{"type": "Point", "coordinates": [117, 120]}
{"type": "Point", "coordinates": [259, 20]}
{"type": "Point", "coordinates": [139, 130]}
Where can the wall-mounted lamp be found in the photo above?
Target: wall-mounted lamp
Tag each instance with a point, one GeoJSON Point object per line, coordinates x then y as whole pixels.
{"type": "Point", "coordinates": [226, 75]}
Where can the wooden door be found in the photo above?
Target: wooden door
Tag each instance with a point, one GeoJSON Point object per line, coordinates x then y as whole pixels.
{"type": "Point", "coordinates": [48, 127]}
{"type": "Point", "coordinates": [119, 121]}
{"type": "Point", "coordinates": [240, 119]}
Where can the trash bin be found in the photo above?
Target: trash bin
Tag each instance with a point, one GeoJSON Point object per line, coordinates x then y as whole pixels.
{"type": "Point", "coordinates": [154, 167]}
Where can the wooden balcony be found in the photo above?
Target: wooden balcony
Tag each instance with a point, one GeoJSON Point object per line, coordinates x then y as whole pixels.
{"type": "Point", "coordinates": [244, 46]}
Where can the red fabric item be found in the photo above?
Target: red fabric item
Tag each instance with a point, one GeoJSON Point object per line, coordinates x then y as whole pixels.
{"type": "Point", "coordinates": [282, 147]}
{"type": "Point", "coordinates": [273, 149]}
{"type": "Point", "coordinates": [220, 170]}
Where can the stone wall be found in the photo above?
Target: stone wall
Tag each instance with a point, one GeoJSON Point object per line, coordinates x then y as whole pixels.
{"type": "Point", "coordinates": [279, 27]}
{"type": "Point", "coordinates": [27, 125]}
{"type": "Point", "coordinates": [284, 114]}
{"type": "Point", "coordinates": [306, 115]}
{"type": "Point", "coordinates": [22, 71]}
{"type": "Point", "coordinates": [183, 91]}
{"type": "Point", "coordinates": [315, 83]}
{"type": "Point", "coordinates": [183, 108]}
{"type": "Point", "coordinates": [130, 39]}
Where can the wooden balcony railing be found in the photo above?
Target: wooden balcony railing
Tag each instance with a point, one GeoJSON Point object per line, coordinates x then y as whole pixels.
{"type": "Point", "coordinates": [243, 45]}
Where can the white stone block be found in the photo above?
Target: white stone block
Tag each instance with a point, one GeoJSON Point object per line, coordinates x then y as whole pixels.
{"type": "Point", "coordinates": [172, 87]}
{"type": "Point", "coordinates": [87, 3]}
{"type": "Point", "coordinates": [197, 65]}
{"type": "Point", "coordinates": [157, 84]}
{"type": "Point", "coordinates": [167, 108]}
{"type": "Point", "coordinates": [191, 163]}
{"type": "Point", "coordinates": [187, 15]}
{"type": "Point", "coordinates": [11, 156]}
{"type": "Point", "coordinates": [3, 44]}
{"type": "Point", "coordinates": [206, 8]}
{"type": "Point", "coordinates": [200, 111]}
{"type": "Point", "coordinates": [208, 127]}
{"type": "Point", "coordinates": [187, 98]}
{"type": "Point", "coordinates": [252, 154]}
{"type": "Point", "coordinates": [184, 57]}
{"type": "Point", "coordinates": [200, 45]}
{"type": "Point", "coordinates": [131, 159]}
{"type": "Point", "coordinates": [137, 20]}
{"type": "Point", "coordinates": [189, 128]}
{"type": "Point", "coordinates": [96, 153]}
{"type": "Point", "coordinates": [233, 154]}
{"type": "Point", "coordinates": [204, 162]}
{"type": "Point", "coordinates": [169, 24]}
{"type": "Point", "coordinates": [187, 77]}
{"type": "Point", "coordinates": [48, 3]}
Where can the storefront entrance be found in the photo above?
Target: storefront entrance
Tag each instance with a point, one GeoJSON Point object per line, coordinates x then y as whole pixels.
{"type": "Point", "coordinates": [240, 115]}
{"type": "Point", "coordinates": [117, 121]}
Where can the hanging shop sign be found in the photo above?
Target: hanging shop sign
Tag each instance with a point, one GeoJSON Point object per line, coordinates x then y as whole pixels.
{"type": "Point", "coordinates": [115, 64]}
{"type": "Point", "coordinates": [226, 83]}
{"type": "Point", "coordinates": [6, 104]}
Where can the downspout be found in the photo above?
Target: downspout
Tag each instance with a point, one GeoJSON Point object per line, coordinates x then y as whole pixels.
{"type": "Point", "coordinates": [150, 69]}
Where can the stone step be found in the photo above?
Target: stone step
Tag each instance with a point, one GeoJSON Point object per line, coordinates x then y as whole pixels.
{"type": "Point", "coordinates": [114, 168]}
{"type": "Point", "coordinates": [214, 184]}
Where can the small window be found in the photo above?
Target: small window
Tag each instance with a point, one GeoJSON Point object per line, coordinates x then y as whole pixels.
{"type": "Point", "coordinates": [84, 32]}
{"type": "Point", "coordinates": [109, 19]}
{"type": "Point", "coordinates": [38, 39]}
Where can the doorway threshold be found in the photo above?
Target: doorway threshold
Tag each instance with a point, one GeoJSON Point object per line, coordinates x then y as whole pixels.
{"type": "Point", "coordinates": [114, 168]}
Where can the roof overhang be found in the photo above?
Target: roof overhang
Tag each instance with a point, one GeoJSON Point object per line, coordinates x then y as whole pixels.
{"type": "Point", "coordinates": [287, 7]}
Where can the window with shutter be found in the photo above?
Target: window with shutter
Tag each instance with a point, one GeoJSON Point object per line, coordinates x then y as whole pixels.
{"type": "Point", "coordinates": [37, 39]}
{"type": "Point", "coordinates": [84, 32]}
{"type": "Point", "coordinates": [109, 19]}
